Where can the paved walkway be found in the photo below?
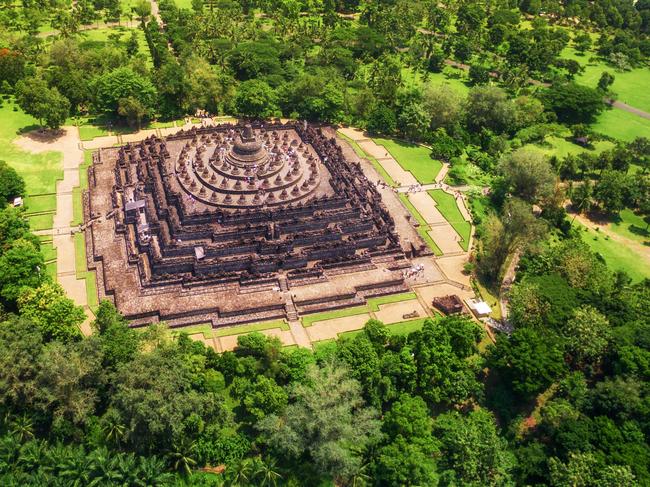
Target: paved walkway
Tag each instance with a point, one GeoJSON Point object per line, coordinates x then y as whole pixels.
{"type": "Point", "coordinates": [62, 239]}
{"type": "Point", "coordinates": [442, 232]}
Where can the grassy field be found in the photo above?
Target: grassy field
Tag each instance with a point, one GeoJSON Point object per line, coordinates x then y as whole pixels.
{"type": "Point", "coordinates": [209, 332]}
{"type": "Point", "coordinates": [560, 147]}
{"type": "Point", "coordinates": [448, 207]}
{"type": "Point", "coordinates": [621, 125]}
{"type": "Point", "coordinates": [423, 227]}
{"type": "Point", "coordinates": [40, 171]}
{"type": "Point", "coordinates": [413, 158]}
{"type": "Point", "coordinates": [631, 87]}
{"type": "Point", "coordinates": [617, 256]}
{"type": "Point", "coordinates": [402, 328]}
{"type": "Point", "coordinates": [310, 319]}
{"type": "Point", "coordinates": [452, 77]}
{"type": "Point", "coordinates": [632, 226]}
{"type": "Point", "coordinates": [84, 273]}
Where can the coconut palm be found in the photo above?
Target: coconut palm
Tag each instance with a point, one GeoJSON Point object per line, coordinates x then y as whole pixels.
{"type": "Point", "coordinates": [265, 472]}
{"type": "Point", "coordinates": [22, 428]}
{"type": "Point", "coordinates": [241, 474]}
{"type": "Point", "coordinates": [179, 456]}
{"type": "Point", "coordinates": [151, 473]}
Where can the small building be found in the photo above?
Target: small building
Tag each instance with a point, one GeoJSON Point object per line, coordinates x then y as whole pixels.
{"type": "Point", "coordinates": [18, 201]}
{"type": "Point", "coordinates": [480, 308]}
{"type": "Point", "coordinates": [449, 305]}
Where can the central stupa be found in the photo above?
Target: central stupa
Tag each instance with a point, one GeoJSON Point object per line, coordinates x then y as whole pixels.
{"type": "Point", "coordinates": [247, 151]}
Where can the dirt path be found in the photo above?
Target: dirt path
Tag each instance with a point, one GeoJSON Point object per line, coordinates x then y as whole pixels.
{"type": "Point", "coordinates": [62, 239]}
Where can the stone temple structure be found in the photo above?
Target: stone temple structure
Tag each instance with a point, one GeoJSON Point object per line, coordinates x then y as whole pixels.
{"type": "Point", "coordinates": [237, 223]}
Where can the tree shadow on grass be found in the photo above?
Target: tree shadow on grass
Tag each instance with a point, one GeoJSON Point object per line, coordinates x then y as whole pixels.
{"type": "Point", "coordinates": [39, 134]}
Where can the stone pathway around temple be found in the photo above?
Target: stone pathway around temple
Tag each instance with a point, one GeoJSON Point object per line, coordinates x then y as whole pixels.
{"type": "Point", "coordinates": [442, 232]}
{"type": "Point", "coordinates": [62, 238]}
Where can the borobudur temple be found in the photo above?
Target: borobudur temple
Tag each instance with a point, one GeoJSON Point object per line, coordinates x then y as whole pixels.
{"type": "Point", "coordinates": [237, 223]}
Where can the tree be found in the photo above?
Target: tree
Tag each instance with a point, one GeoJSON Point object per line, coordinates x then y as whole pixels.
{"type": "Point", "coordinates": [260, 397]}
{"type": "Point", "coordinates": [385, 78]}
{"type": "Point", "coordinates": [584, 470]}
{"type": "Point", "coordinates": [143, 10]}
{"type": "Point", "coordinates": [443, 106]}
{"type": "Point", "coordinates": [381, 120]}
{"type": "Point", "coordinates": [587, 334]}
{"type": "Point", "coordinates": [402, 463]}
{"type": "Point", "coordinates": [606, 80]}
{"type": "Point", "coordinates": [256, 99]}
{"type": "Point", "coordinates": [611, 191]}
{"type": "Point", "coordinates": [489, 107]}
{"type": "Point", "coordinates": [11, 184]}
{"type": "Point", "coordinates": [123, 83]}
{"type": "Point", "coordinates": [528, 174]}
{"type": "Point", "coordinates": [529, 360]}
{"type": "Point", "coordinates": [21, 265]}
{"type": "Point", "coordinates": [132, 109]}
{"type": "Point", "coordinates": [132, 44]}
{"type": "Point", "coordinates": [43, 103]}
{"type": "Point", "coordinates": [479, 74]}
{"type": "Point", "coordinates": [119, 342]}
{"type": "Point", "coordinates": [471, 450]}
{"type": "Point", "coordinates": [327, 423]}
{"type": "Point", "coordinates": [154, 398]}
{"type": "Point", "coordinates": [574, 103]}
{"type": "Point", "coordinates": [56, 315]}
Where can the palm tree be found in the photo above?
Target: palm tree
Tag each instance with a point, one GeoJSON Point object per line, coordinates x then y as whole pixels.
{"type": "Point", "coordinates": [179, 456]}
{"type": "Point", "coordinates": [113, 428]}
{"type": "Point", "coordinates": [22, 428]}
{"type": "Point", "coordinates": [582, 196]}
{"type": "Point", "coordinates": [151, 473]}
{"type": "Point", "coordinates": [265, 472]}
{"type": "Point", "coordinates": [104, 470]}
{"type": "Point", "coordinates": [360, 477]}
{"type": "Point", "coordinates": [241, 475]}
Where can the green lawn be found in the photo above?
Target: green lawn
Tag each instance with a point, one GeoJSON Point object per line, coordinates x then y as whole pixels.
{"type": "Point", "coordinates": [40, 203]}
{"type": "Point", "coordinates": [631, 87]}
{"type": "Point", "coordinates": [310, 319]}
{"type": "Point", "coordinates": [375, 303]}
{"type": "Point", "coordinates": [452, 77]}
{"type": "Point", "coordinates": [632, 226]}
{"type": "Point", "coordinates": [48, 251]}
{"type": "Point", "coordinates": [423, 228]}
{"type": "Point", "coordinates": [84, 273]}
{"type": "Point", "coordinates": [413, 158]}
{"type": "Point", "coordinates": [209, 332]}
{"type": "Point", "coordinates": [617, 256]}
{"type": "Point", "coordinates": [361, 153]}
{"type": "Point", "coordinates": [621, 125]}
{"type": "Point", "coordinates": [560, 147]}
{"type": "Point", "coordinates": [41, 221]}
{"type": "Point", "coordinates": [402, 328]}
{"type": "Point", "coordinates": [448, 207]}
{"type": "Point", "coordinates": [40, 171]}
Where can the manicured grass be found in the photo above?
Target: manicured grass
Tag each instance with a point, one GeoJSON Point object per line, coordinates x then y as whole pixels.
{"type": "Point", "coordinates": [84, 273]}
{"type": "Point", "coordinates": [48, 251]}
{"type": "Point", "coordinates": [51, 270]}
{"type": "Point", "coordinates": [632, 226]}
{"type": "Point", "coordinates": [209, 332]}
{"type": "Point", "coordinates": [375, 303]}
{"type": "Point", "coordinates": [631, 87]}
{"type": "Point", "coordinates": [402, 328]}
{"type": "Point", "coordinates": [40, 203]}
{"type": "Point", "coordinates": [100, 36]}
{"type": "Point", "coordinates": [310, 319]}
{"type": "Point", "coordinates": [423, 227]}
{"type": "Point", "coordinates": [452, 77]}
{"type": "Point", "coordinates": [42, 221]}
{"type": "Point", "coordinates": [40, 171]}
{"type": "Point", "coordinates": [413, 158]}
{"type": "Point", "coordinates": [448, 207]}
{"type": "Point", "coordinates": [77, 201]}
{"type": "Point", "coordinates": [621, 125]}
{"type": "Point", "coordinates": [361, 153]}
{"type": "Point", "coordinates": [617, 256]}
{"type": "Point", "coordinates": [560, 147]}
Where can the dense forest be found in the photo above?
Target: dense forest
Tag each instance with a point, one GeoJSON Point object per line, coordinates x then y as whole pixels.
{"type": "Point", "coordinates": [562, 401]}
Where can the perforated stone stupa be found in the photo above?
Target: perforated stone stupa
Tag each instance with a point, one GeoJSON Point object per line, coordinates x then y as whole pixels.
{"type": "Point", "coordinates": [234, 224]}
